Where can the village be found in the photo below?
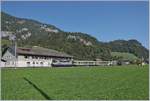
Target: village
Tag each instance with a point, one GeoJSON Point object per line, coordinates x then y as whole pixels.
{"type": "Point", "coordinates": [43, 57]}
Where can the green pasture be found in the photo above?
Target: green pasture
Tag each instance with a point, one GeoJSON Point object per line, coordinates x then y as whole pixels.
{"type": "Point", "coordinates": [125, 56]}
{"type": "Point", "coordinates": [76, 83]}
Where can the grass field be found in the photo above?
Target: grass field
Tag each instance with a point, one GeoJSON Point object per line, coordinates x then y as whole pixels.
{"type": "Point", "coordinates": [125, 56]}
{"type": "Point", "coordinates": [126, 82]}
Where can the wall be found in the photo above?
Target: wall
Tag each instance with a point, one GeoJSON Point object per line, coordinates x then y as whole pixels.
{"type": "Point", "coordinates": [32, 62]}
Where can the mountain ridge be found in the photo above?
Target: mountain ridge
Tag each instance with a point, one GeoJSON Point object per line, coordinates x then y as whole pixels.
{"type": "Point", "coordinates": [30, 32]}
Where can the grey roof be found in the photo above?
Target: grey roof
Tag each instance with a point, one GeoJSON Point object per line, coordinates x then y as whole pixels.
{"type": "Point", "coordinates": [35, 50]}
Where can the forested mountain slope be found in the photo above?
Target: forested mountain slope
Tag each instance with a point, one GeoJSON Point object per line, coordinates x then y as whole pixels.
{"type": "Point", "coordinates": [81, 45]}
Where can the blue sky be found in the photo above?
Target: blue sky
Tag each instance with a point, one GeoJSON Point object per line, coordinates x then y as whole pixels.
{"type": "Point", "coordinates": [106, 21]}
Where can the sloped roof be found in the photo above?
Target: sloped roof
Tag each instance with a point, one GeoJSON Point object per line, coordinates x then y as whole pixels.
{"type": "Point", "coordinates": [35, 50]}
{"type": "Point", "coordinates": [11, 49]}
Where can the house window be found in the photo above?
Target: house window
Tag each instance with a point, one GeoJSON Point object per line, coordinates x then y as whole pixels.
{"type": "Point", "coordinates": [28, 63]}
{"type": "Point", "coordinates": [36, 62]}
{"type": "Point", "coordinates": [36, 57]}
{"type": "Point", "coordinates": [25, 56]}
{"type": "Point", "coordinates": [41, 63]}
{"type": "Point", "coordinates": [33, 62]}
{"type": "Point", "coordinates": [33, 57]}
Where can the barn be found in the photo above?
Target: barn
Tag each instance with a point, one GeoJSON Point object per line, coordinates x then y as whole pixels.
{"type": "Point", "coordinates": [34, 57]}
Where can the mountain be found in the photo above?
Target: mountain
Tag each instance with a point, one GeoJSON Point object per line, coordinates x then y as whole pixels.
{"type": "Point", "coordinates": [129, 46]}
{"type": "Point", "coordinates": [81, 45]}
{"type": "Point", "coordinates": [33, 33]}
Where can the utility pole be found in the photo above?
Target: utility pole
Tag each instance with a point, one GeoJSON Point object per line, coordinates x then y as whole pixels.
{"type": "Point", "coordinates": [15, 54]}
{"type": "Point", "coordinates": [15, 49]}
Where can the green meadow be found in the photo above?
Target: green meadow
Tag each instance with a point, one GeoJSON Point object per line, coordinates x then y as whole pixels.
{"type": "Point", "coordinates": [125, 56]}
{"type": "Point", "coordinates": [76, 83]}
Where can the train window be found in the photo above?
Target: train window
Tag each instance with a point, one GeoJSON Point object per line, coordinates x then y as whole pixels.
{"type": "Point", "coordinates": [54, 61]}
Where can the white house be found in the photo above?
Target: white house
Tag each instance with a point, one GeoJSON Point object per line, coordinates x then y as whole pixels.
{"type": "Point", "coordinates": [34, 57]}
{"type": "Point", "coordinates": [2, 63]}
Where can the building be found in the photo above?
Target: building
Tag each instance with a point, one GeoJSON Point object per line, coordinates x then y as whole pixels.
{"type": "Point", "coordinates": [2, 63]}
{"type": "Point", "coordinates": [34, 57]}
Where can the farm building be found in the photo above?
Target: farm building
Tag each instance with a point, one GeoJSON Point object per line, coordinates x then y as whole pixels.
{"type": "Point", "coordinates": [34, 57]}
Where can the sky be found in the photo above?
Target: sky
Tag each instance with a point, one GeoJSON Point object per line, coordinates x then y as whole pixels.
{"type": "Point", "coordinates": [105, 20]}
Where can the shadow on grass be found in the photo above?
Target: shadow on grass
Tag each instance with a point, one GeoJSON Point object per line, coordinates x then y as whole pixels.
{"type": "Point", "coordinates": [38, 89]}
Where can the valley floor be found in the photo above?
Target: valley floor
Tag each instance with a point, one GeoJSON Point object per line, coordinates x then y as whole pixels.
{"type": "Point", "coordinates": [119, 82]}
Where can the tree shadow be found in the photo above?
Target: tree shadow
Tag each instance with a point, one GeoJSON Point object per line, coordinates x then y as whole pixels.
{"type": "Point", "coordinates": [38, 89]}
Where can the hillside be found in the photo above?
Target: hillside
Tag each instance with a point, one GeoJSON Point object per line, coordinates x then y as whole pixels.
{"type": "Point", "coordinates": [124, 56]}
{"type": "Point", "coordinates": [80, 45]}
{"type": "Point", "coordinates": [129, 46]}
{"type": "Point", "coordinates": [32, 33]}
